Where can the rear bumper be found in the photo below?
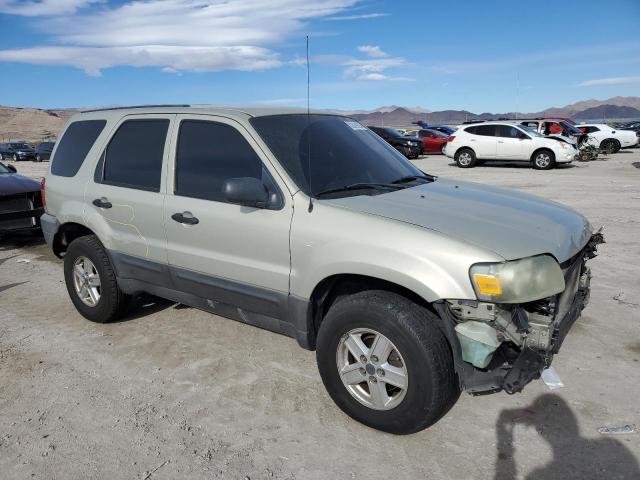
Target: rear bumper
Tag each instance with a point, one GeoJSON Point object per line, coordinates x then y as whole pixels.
{"type": "Point", "coordinates": [50, 226]}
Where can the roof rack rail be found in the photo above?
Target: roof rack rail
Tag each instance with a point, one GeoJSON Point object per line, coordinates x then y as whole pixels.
{"type": "Point", "coordinates": [135, 106]}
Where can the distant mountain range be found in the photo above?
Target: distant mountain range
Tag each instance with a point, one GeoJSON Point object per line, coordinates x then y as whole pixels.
{"type": "Point", "coordinates": [612, 108]}
{"type": "Point", "coordinates": [34, 124]}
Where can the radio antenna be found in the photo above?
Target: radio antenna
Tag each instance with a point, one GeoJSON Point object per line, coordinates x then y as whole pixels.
{"type": "Point", "coordinates": [309, 129]}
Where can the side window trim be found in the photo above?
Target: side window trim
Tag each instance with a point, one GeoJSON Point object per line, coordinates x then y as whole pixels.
{"type": "Point", "coordinates": [269, 180]}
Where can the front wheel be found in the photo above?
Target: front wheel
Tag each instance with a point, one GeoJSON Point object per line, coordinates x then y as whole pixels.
{"type": "Point", "coordinates": [38, 158]}
{"type": "Point", "coordinates": [443, 147]}
{"type": "Point", "coordinates": [385, 362]}
{"type": "Point", "coordinates": [15, 157]}
{"type": "Point", "coordinates": [544, 160]}
{"type": "Point", "coordinates": [91, 281]}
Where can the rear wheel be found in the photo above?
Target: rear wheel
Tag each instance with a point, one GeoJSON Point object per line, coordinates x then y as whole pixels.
{"type": "Point", "coordinates": [543, 160]}
{"type": "Point", "coordinates": [385, 362]}
{"type": "Point", "coordinates": [38, 158]}
{"type": "Point", "coordinates": [465, 158]}
{"type": "Point", "coordinates": [91, 281]}
{"type": "Point", "coordinates": [443, 147]}
{"type": "Point", "coordinates": [610, 146]}
{"type": "Point", "coordinates": [15, 157]}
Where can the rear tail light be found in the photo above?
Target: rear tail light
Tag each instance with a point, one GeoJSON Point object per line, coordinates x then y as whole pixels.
{"type": "Point", "coordinates": [451, 138]}
{"type": "Point", "coordinates": [42, 189]}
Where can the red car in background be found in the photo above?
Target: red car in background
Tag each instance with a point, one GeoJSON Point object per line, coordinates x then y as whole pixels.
{"type": "Point", "coordinates": [433, 141]}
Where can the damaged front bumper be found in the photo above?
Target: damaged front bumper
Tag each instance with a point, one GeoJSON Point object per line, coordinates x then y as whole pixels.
{"type": "Point", "coordinates": [528, 334]}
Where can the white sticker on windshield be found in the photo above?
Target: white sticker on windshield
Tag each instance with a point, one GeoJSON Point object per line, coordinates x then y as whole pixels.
{"type": "Point", "coordinates": [355, 125]}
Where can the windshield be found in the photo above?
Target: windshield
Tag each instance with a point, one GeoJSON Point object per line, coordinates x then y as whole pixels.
{"type": "Point", "coordinates": [392, 132]}
{"type": "Point", "coordinates": [343, 152]}
{"type": "Point", "coordinates": [530, 130]}
{"type": "Point", "coordinates": [438, 133]}
{"type": "Point", "coordinates": [4, 169]}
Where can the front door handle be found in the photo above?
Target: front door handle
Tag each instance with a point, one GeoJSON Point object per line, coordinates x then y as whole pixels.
{"type": "Point", "coordinates": [102, 203]}
{"type": "Point", "coordinates": [185, 218]}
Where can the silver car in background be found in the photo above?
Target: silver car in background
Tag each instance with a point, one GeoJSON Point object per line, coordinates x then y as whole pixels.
{"type": "Point", "coordinates": [411, 288]}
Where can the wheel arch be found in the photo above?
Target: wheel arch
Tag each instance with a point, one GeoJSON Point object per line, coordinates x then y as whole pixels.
{"type": "Point", "coordinates": [67, 233]}
{"type": "Point", "coordinates": [332, 288]}
{"type": "Point", "coordinates": [465, 147]}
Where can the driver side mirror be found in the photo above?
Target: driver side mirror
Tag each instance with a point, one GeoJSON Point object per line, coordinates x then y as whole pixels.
{"type": "Point", "coordinates": [12, 168]}
{"type": "Point", "coordinates": [246, 191]}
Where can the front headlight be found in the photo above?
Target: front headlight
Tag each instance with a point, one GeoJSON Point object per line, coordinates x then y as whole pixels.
{"type": "Point", "coordinates": [518, 281]}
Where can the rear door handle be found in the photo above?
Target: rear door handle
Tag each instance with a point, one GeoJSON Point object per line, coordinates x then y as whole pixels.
{"type": "Point", "coordinates": [500, 141]}
{"type": "Point", "coordinates": [102, 203]}
{"type": "Point", "coordinates": [185, 218]}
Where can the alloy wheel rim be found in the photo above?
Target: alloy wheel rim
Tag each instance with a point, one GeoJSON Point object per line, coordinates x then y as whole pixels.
{"type": "Point", "coordinates": [542, 160]}
{"type": "Point", "coordinates": [86, 281]}
{"type": "Point", "coordinates": [464, 159]}
{"type": "Point", "coordinates": [372, 369]}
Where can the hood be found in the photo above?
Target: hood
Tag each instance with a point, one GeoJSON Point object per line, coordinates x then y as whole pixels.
{"type": "Point", "coordinates": [506, 222]}
{"type": "Point", "coordinates": [561, 138]}
{"type": "Point", "coordinates": [13, 183]}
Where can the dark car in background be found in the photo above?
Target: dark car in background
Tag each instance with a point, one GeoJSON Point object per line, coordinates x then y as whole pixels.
{"type": "Point", "coordinates": [43, 151]}
{"type": "Point", "coordinates": [410, 147]}
{"type": "Point", "coordinates": [20, 201]}
{"type": "Point", "coordinates": [17, 151]}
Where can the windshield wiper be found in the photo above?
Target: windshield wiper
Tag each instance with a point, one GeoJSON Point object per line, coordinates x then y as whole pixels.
{"type": "Point", "coordinates": [412, 178]}
{"type": "Point", "coordinates": [360, 186]}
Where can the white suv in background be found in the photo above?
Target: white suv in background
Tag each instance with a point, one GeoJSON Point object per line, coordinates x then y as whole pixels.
{"type": "Point", "coordinates": [471, 145]}
{"type": "Point", "coordinates": [609, 139]}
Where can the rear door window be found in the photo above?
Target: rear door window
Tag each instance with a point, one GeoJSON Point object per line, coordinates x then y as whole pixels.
{"type": "Point", "coordinates": [208, 154]}
{"type": "Point", "coordinates": [486, 130]}
{"type": "Point", "coordinates": [75, 145]}
{"type": "Point", "coordinates": [133, 158]}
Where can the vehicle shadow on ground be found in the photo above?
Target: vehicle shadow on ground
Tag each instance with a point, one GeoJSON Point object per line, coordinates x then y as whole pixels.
{"type": "Point", "coordinates": [574, 457]}
{"type": "Point", "coordinates": [143, 305]}
{"type": "Point", "coordinates": [515, 165]}
{"type": "Point", "coordinates": [636, 164]}
{"type": "Point", "coordinates": [16, 240]}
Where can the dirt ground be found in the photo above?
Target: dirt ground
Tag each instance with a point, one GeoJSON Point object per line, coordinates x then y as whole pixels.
{"type": "Point", "coordinates": [173, 392]}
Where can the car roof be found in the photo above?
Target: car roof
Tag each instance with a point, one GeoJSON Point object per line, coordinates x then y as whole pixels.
{"type": "Point", "coordinates": [238, 113]}
{"type": "Point", "coordinates": [515, 123]}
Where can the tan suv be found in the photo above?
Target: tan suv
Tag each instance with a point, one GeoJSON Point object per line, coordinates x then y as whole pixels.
{"type": "Point", "coordinates": [411, 288]}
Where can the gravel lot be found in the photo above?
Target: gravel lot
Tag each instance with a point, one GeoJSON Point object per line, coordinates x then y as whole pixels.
{"type": "Point", "coordinates": [173, 392]}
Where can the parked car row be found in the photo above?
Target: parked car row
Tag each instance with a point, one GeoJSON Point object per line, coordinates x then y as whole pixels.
{"type": "Point", "coordinates": [19, 151]}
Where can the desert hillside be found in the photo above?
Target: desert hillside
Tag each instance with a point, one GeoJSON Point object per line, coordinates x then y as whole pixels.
{"type": "Point", "coordinates": [31, 124]}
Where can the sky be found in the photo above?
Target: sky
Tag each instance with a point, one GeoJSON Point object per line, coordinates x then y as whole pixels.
{"type": "Point", "coordinates": [482, 56]}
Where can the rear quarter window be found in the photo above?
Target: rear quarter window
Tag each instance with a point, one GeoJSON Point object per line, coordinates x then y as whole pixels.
{"type": "Point", "coordinates": [74, 146]}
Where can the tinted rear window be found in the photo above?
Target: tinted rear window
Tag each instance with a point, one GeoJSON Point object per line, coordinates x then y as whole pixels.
{"type": "Point", "coordinates": [74, 146]}
{"type": "Point", "coordinates": [134, 155]}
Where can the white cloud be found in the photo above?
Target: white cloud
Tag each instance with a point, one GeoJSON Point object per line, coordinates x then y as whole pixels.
{"type": "Point", "coordinates": [197, 35]}
{"type": "Point", "coordinates": [372, 51]}
{"type": "Point", "coordinates": [610, 81]}
{"type": "Point", "coordinates": [43, 7]}
{"type": "Point", "coordinates": [363, 16]}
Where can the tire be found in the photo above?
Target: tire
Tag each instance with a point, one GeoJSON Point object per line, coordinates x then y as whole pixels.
{"type": "Point", "coordinates": [15, 158]}
{"type": "Point", "coordinates": [610, 146]}
{"type": "Point", "coordinates": [465, 158]}
{"type": "Point", "coordinates": [432, 386]}
{"type": "Point", "coordinates": [443, 147]}
{"type": "Point", "coordinates": [1, 156]}
{"type": "Point", "coordinates": [404, 151]}
{"type": "Point", "coordinates": [38, 157]}
{"type": "Point", "coordinates": [112, 301]}
{"type": "Point", "coordinates": [543, 159]}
